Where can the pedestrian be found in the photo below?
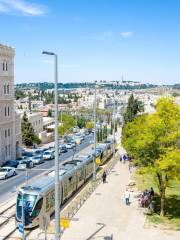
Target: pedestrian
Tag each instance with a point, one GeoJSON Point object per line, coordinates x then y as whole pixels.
{"type": "Point", "coordinates": [124, 158]}
{"type": "Point", "coordinates": [104, 177]}
{"type": "Point", "coordinates": [151, 192]}
{"type": "Point", "coordinates": [127, 197]}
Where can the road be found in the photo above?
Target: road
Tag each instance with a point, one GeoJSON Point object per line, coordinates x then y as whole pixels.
{"type": "Point", "coordinates": [8, 186]}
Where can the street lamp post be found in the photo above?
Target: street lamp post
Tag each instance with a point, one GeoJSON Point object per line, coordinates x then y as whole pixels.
{"type": "Point", "coordinates": [94, 163]}
{"type": "Point", "coordinates": [114, 122]}
{"type": "Point", "coordinates": [56, 166]}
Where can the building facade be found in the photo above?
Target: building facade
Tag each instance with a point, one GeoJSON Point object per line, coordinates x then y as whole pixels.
{"type": "Point", "coordinates": [10, 128]}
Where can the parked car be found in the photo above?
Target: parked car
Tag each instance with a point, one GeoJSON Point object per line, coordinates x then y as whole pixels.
{"type": "Point", "coordinates": [37, 159]}
{"type": "Point", "coordinates": [69, 145]}
{"type": "Point", "coordinates": [6, 172]}
{"type": "Point", "coordinates": [21, 158]}
{"type": "Point", "coordinates": [39, 152]}
{"type": "Point", "coordinates": [11, 163]}
{"type": "Point", "coordinates": [25, 164]}
{"type": "Point", "coordinates": [28, 154]}
{"type": "Point", "coordinates": [62, 149]}
{"type": "Point", "coordinates": [48, 155]}
{"type": "Point", "coordinates": [45, 149]}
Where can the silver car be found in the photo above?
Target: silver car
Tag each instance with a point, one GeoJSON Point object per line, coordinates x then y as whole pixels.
{"type": "Point", "coordinates": [37, 159]}
{"type": "Point", "coordinates": [6, 172]}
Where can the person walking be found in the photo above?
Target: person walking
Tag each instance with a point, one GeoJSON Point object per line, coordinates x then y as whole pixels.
{"type": "Point", "coordinates": [127, 197]}
{"type": "Point", "coordinates": [104, 177]}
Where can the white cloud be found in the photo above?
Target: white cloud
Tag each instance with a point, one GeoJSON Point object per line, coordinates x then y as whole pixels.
{"type": "Point", "coordinates": [101, 36]}
{"type": "Point", "coordinates": [22, 6]}
{"type": "Point", "coordinates": [126, 34]}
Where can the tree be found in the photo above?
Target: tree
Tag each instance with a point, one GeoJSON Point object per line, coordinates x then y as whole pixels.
{"type": "Point", "coordinates": [90, 125]}
{"type": "Point", "coordinates": [19, 94]}
{"type": "Point", "coordinates": [68, 122]}
{"type": "Point", "coordinates": [154, 142]}
{"type": "Point", "coordinates": [49, 113]}
{"type": "Point", "coordinates": [112, 125]}
{"type": "Point", "coordinates": [81, 122]}
{"type": "Point", "coordinates": [133, 108]}
{"type": "Point", "coordinates": [28, 135]}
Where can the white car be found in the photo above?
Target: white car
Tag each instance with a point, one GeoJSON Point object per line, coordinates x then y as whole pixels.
{"type": "Point", "coordinates": [6, 172]}
{"type": "Point", "coordinates": [48, 155]}
{"type": "Point", "coordinates": [69, 145]}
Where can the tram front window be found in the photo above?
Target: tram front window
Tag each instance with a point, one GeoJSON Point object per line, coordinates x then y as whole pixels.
{"type": "Point", "coordinates": [29, 201]}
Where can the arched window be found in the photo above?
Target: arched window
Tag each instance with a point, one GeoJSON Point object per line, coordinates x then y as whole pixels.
{"type": "Point", "coordinates": [3, 66]}
{"type": "Point", "coordinates": [8, 111]}
{"type": "Point", "coordinates": [4, 88]}
{"type": "Point", "coordinates": [7, 88]}
{"type": "Point", "coordinates": [5, 111]}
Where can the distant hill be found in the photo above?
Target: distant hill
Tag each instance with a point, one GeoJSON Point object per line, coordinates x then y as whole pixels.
{"type": "Point", "coordinates": [46, 85]}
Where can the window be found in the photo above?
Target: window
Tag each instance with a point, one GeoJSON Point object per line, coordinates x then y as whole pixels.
{"type": "Point", "coordinates": [5, 111]}
{"type": "Point", "coordinates": [8, 111]}
{"type": "Point", "coordinates": [6, 151]}
{"type": "Point", "coordinates": [7, 89]}
{"type": "Point", "coordinates": [6, 133]}
{"type": "Point", "coordinates": [9, 132]}
{"type": "Point", "coordinates": [37, 208]}
{"type": "Point", "coordinates": [5, 66]}
{"type": "Point", "coordinates": [9, 149]}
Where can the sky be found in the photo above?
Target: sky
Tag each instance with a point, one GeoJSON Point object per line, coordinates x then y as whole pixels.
{"type": "Point", "coordinates": [94, 39]}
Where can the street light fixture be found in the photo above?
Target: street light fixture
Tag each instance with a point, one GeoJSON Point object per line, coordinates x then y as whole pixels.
{"type": "Point", "coordinates": [56, 166]}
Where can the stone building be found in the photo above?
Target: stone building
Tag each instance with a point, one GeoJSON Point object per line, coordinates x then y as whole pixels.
{"type": "Point", "coordinates": [10, 125]}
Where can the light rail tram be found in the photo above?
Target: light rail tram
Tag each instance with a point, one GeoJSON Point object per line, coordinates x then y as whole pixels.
{"type": "Point", "coordinates": [39, 196]}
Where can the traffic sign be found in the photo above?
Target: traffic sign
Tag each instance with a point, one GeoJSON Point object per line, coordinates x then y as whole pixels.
{"type": "Point", "coordinates": [21, 228]}
{"type": "Point", "coordinates": [64, 223]}
{"type": "Point", "coordinates": [98, 161]}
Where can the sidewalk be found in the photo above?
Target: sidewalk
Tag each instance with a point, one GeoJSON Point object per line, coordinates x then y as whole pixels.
{"type": "Point", "coordinates": [104, 214]}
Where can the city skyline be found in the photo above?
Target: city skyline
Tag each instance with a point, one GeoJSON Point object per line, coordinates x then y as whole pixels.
{"type": "Point", "coordinates": [94, 39]}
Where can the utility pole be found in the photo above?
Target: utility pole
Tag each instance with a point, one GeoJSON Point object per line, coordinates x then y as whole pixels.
{"type": "Point", "coordinates": [56, 166]}
{"type": "Point", "coordinates": [94, 163]}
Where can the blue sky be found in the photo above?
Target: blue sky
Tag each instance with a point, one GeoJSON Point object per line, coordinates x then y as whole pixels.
{"type": "Point", "coordinates": [94, 39]}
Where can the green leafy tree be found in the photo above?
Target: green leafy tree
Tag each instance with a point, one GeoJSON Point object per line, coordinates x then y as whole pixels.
{"type": "Point", "coordinates": [133, 108]}
{"type": "Point", "coordinates": [81, 123]}
{"type": "Point", "coordinates": [49, 113]}
{"type": "Point", "coordinates": [68, 122]}
{"type": "Point", "coordinates": [90, 125]}
{"type": "Point", "coordinates": [19, 94]}
{"type": "Point", "coordinates": [154, 142]}
{"type": "Point", "coordinates": [28, 135]}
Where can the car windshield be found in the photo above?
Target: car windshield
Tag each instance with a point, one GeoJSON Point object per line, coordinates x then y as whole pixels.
{"type": "Point", "coordinates": [29, 202]}
{"type": "Point", "coordinates": [23, 162]}
{"type": "Point", "coordinates": [38, 151]}
{"type": "Point", "coordinates": [3, 170]}
{"type": "Point", "coordinates": [46, 153]}
{"type": "Point", "coordinates": [37, 157]}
